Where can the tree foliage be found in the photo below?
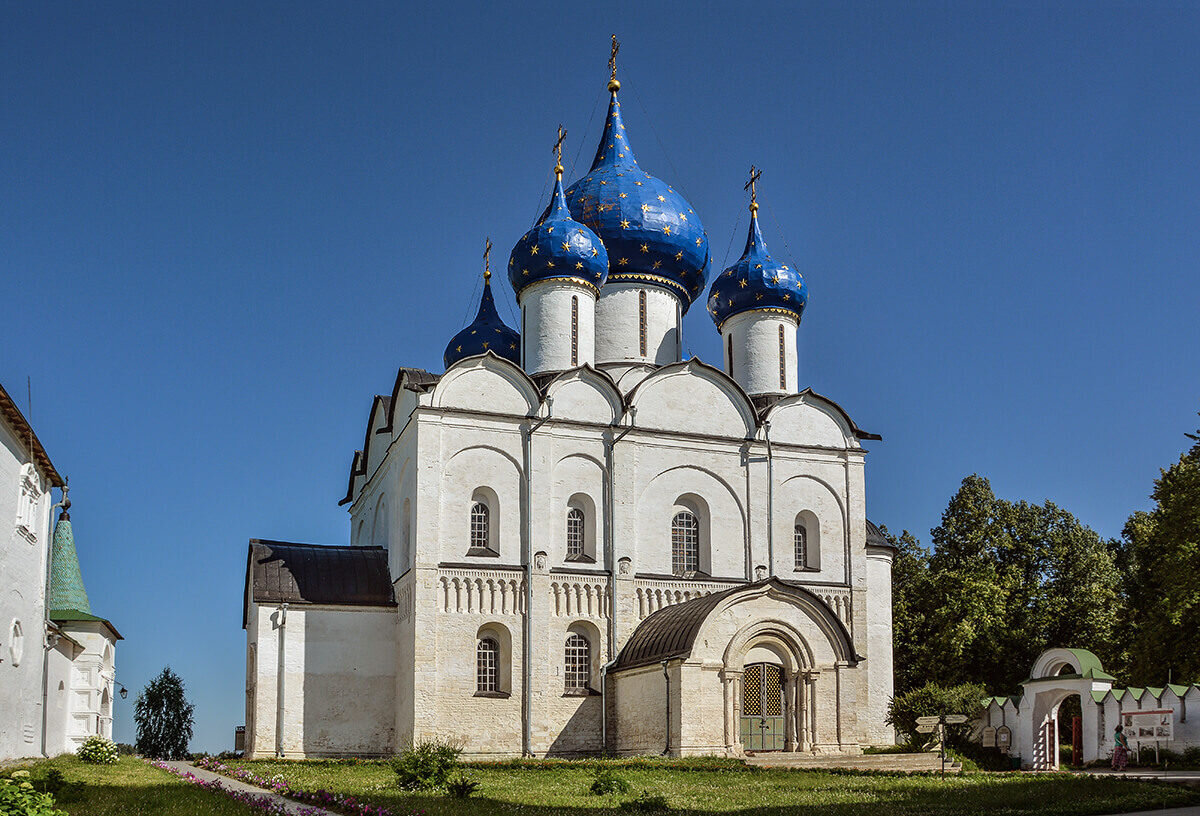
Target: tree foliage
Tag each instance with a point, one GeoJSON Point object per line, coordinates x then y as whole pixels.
{"type": "Point", "coordinates": [1004, 581]}
{"type": "Point", "coordinates": [164, 718]}
{"type": "Point", "coordinates": [934, 700]}
{"type": "Point", "coordinates": [1160, 559]}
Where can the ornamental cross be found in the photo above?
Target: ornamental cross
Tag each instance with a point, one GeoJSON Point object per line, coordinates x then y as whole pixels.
{"type": "Point", "coordinates": [612, 60]}
{"type": "Point", "coordinates": [562, 134]}
{"type": "Point", "coordinates": [751, 185]}
{"type": "Point", "coordinates": [487, 260]}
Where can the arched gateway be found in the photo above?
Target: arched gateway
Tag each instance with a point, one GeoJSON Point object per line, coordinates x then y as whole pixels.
{"type": "Point", "coordinates": [761, 667]}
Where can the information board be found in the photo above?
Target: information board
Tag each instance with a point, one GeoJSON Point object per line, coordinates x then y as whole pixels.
{"type": "Point", "coordinates": [1149, 726]}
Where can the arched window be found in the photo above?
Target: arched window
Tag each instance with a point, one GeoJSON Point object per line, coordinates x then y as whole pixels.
{"type": "Point", "coordinates": [575, 533]}
{"type": "Point", "coordinates": [801, 544]}
{"type": "Point", "coordinates": [487, 665]}
{"type": "Point", "coordinates": [806, 541]}
{"type": "Point", "coordinates": [685, 543]}
{"type": "Point", "coordinates": [782, 361]}
{"type": "Point", "coordinates": [480, 523]}
{"type": "Point", "coordinates": [574, 330]}
{"type": "Point", "coordinates": [642, 321]}
{"type": "Point", "coordinates": [578, 663]}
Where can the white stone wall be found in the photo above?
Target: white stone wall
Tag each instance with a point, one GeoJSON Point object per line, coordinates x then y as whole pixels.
{"type": "Point", "coordinates": [879, 686]}
{"type": "Point", "coordinates": [618, 321]}
{"type": "Point", "coordinates": [546, 309]}
{"type": "Point", "coordinates": [89, 689]}
{"type": "Point", "coordinates": [753, 338]}
{"type": "Point", "coordinates": [24, 549]}
{"type": "Point", "coordinates": [338, 681]}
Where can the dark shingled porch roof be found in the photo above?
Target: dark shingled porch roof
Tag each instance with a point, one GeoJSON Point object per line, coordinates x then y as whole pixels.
{"type": "Point", "coordinates": [283, 572]}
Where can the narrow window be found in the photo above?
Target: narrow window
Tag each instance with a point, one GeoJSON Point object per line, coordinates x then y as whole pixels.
{"type": "Point", "coordinates": [487, 663]}
{"type": "Point", "coordinates": [574, 330]}
{"type": "Point", "coordinates": [801, 542]}
{"type": "Point", "coordinates": [782, 361]}
{"type": "Point", "coordinates": [642, 321]}
{"type": "Point", "coordinates": [730, 344]}
{"type": "Point", "coordinates": [578, 663]}
{"type": "Point", "coordinates": [574, 533]}
{"type": "Point", "coordinates": [479, 526]}
{"type": "Point", "coordinates": [685, 543]}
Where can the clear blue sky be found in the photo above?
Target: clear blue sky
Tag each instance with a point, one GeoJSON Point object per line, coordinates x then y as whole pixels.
{"type": "Point", "coordinates": [224, 225]}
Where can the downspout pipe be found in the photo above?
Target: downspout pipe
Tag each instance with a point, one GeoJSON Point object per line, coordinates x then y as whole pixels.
{"type": "Point", "coordinates": [770, 501]}
{"type": "Point", "coordinates": [527, 561]}
{"type": "Point", "coordinates": [604, 704]}
{"type": "Point", "coordinates": [667, 678]}
{"type": "Point", "coordinates": [280, 682]}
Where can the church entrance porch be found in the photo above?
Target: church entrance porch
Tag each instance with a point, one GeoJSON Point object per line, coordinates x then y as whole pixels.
{"type": "Point", "coordinates": [762, 720]}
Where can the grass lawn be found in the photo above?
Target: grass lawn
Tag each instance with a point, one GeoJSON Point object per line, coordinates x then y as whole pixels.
{"type": "Point", "coordinates": [723, 787]}
{"type": "Point", "coordinates": [133, 788]}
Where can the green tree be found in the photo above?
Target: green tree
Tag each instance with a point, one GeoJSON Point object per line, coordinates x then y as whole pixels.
{"type": "Point", "coordinates": [1004, 582]}
{"type": "Point", "coordinates": [1160, 558]}
{"type": "Point", "coordinates": [164, 718]}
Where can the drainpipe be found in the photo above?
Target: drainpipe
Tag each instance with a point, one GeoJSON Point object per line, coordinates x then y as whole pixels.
{"type": "Point", "coordinates": [610, 514]}
{"type": "Point", "coordinates": [667, 678]}
{"type": "Point", "coordinates": [770, 501]}
{"type": "Point", "coordinates": [280, 686]}
{"type": "Point", "coordinates": [527, 561]}
{"type": "Point", "coordinates": [604, 704]}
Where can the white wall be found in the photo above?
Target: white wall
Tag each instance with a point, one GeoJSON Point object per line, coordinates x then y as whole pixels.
{"type": "Point", "coordinates": [546, 326]}
{"type": "Point", "coordinates": [755, 337]}
{"type": "Point", "coordinates": [618, 324]}
{"type": "Point", "coordinates": [24, 555]}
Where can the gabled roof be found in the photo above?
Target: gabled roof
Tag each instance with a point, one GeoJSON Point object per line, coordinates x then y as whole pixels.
{"type": "Point", "coordinates": [74, 615]}
{"type": "Point", "coordinates": [12, 414]}
{"type": "Point", "coordinates": [876, 538]}
{"type": "Point", "coordinates": [284, 572]}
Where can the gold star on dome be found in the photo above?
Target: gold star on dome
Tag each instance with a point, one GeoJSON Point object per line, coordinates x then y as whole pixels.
{"type": "Point", "coordinates": [525, 272]}
{"type": "Point", "coordinates": [682, 217]}
{"type": "Point", "coordinates": [645, 247]}
{"type": "Point", "coordinates": [550, 264]}
{"type": "Point", "coordinates": [579, 264]}
{"type": "Point", "coordinates": [458, 348]}
{"type": "Point", "coordinates": [616, 135]}
{"type": "Point", "coordinates": [783, 267]}
{"type": "Point", "coordinates": [758, 266]}
{"type": "Point", "coordinates": [622, 262]}
{"type": "Point", "coordinates": [604, 182]}
{"type": "Point", "coordinates": [485, 345]}
{"type": "Point", "coordinates": [472, 331]}
{"type": "Point", "coordinates": [758, 296]}
{"type": "Point", "coordinates": [620, 155]}
{"type": "Point", "coordinates": [742, 283]}
{"type": "Point", "coordinates": [731, 303]}
{"type": "Point", "coordinates": [595, 252]}
{"type": "Point", "coordinates": [660, 198]}
{"type": "Point", "coordinates": [667, 230]}
{"type": "Point", "coordinates": [566, 246]}
{"type": "Point", "coordinates": [497, 330]}
{"type": "Point", "coordinates": [774, 279]}
{"type": "Point", "coordinates": [786, 296]}
{"type": "Point", "coordinates": [638, 183]}
{"type": "Point", "coordinates": [533, 250]}
{"type": "Point", "coordinates": [580, 231]}
{"type": "Point", "coordinates": [645, 208]}
{"type": "Point", "coordinates": [549, 229]}
{"type": "Point", "coordinates": [623, 195]}
{"type": "Point", "coordinates": [610, 147]}
{"type": "Point", "coordinates": [512, 345]}
{"type": "Point", "coordinates": [657, 264]}
{"type": "Point", "coordinates": [625, 223]}
{"type": "Point", "coordinates": [679, 256]}
{"type": "Point", "coordinates": [698, 242]}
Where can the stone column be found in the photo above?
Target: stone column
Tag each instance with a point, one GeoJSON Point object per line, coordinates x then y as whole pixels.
{"type": "Point", "coordinates": [728, 688]}
{"type": "Point", "coordinates": [810, 679]}
{"type": "Point", "coordinates": [802, 704]}
{"type": "Point", "coordinates": [789, 703]}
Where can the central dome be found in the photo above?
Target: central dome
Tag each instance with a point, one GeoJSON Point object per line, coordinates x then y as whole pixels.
{"type": "Point", "coordinates": [650, 231]}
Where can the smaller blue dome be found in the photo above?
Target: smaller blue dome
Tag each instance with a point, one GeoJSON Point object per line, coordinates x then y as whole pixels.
{"type": "Point", "coordinates": [487, 332]}
{"type": "Point", "coordinates": [757, 282]}
{"type": "Point", "coordinates": [558, 247]}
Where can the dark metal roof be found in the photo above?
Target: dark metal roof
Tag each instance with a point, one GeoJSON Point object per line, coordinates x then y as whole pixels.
{"type": "Point", "coordinates": [671, 632]}
{"type": "Point", "coordinates": [24, 431]}
{"type": "Point", "coordinates": [282, 572]}
{"type": "Point", "coordinates": [417, 379]}
{"type": "Point", "coordinates": [876, 538]}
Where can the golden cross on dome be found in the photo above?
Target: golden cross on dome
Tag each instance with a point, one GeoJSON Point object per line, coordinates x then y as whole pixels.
{"type": "Point", "coordinates": [487, 260]}
{"type": "Point", "coordinates": [613, 85]}
{"type": "Point", "coordinates": [751, 185]}
{"type": "Point", "coordinates": [558, 165]}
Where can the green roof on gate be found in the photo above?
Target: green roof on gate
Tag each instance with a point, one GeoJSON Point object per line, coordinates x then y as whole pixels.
{"type": "Point", "coordinates": [66, 579]}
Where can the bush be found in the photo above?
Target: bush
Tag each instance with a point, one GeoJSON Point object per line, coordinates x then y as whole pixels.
{"type": "Point", "coordinates": [646, 802]}
{"type": "Point", "coordinates": [606, 782]}
{"type": "Point", "coordinates": [426, 764]}
{"type": "Point", "coordinates": [932, 699]}
{"type": "Point", "coordinates": [461, 786]}
{"type": "Point", "coordinates": [98, 751]}
{"type": "Point", "coordinates": [18, 797]}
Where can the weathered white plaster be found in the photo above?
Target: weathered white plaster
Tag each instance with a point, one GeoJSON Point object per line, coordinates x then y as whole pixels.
{"type": "Point", "coordinates": [619, 321]}
{"type": "Point", "coordinates": [753, 338]}
{"type": "Point", "coordinates": [548, 311]}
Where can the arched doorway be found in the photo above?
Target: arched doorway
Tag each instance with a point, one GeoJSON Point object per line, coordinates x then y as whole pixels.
{"type": "Point", "coordinates": [763, 707]}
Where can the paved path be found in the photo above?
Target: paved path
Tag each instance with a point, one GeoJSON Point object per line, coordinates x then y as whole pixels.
{"type": "Point", "coordinates": [236, 784]}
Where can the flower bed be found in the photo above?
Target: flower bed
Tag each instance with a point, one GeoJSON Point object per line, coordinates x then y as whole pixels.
{"type": "Point", "coordinates": [262, 803]}
{"type": "Point", "coordinates": [320, 797]}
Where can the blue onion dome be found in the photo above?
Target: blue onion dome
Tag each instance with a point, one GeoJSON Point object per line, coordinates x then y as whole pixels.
{"type": "Point", "coordinates": [487, 332]}
{"type": "Point", "coordinates": [558, 247]}
{"type": "Point", "coordinates": [757, 282]}
{"type": "Point", "coordinates": [651, 232]}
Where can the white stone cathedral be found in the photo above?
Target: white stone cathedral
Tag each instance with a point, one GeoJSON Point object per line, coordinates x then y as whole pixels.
{"type": "Point", "coordinates": [572, 541]}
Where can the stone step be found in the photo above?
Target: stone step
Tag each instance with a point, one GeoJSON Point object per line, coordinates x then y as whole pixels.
{"type": "Point", "coordinates": [928, 761]}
